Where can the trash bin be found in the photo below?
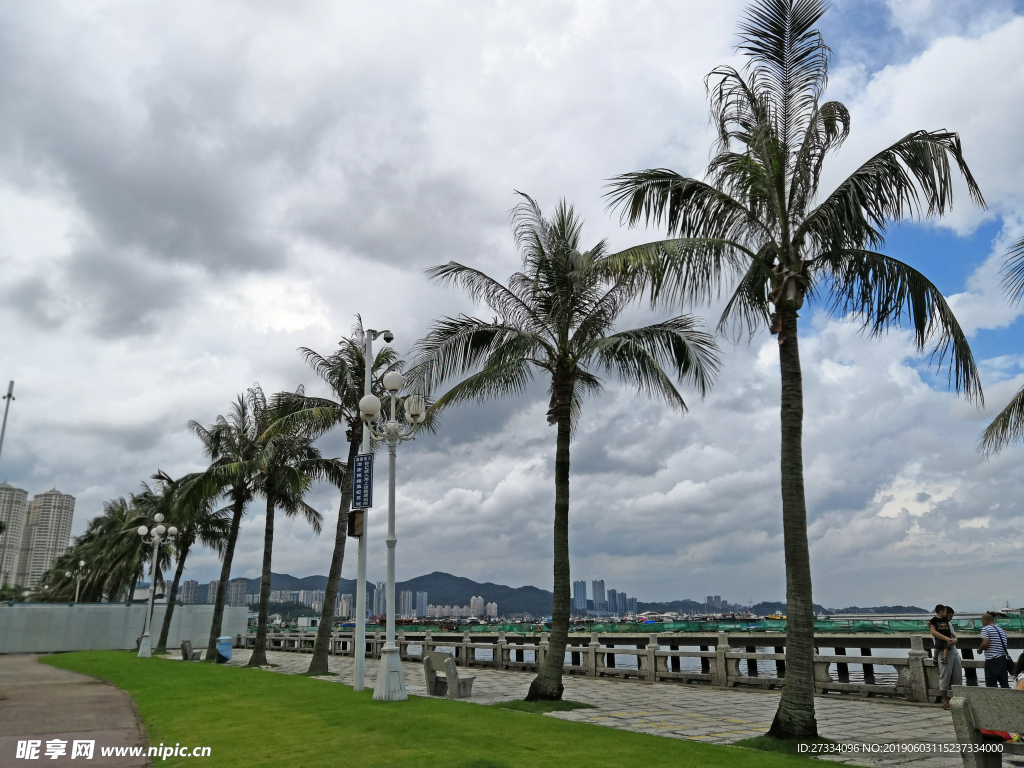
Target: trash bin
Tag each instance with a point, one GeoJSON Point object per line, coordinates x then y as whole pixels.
{"type": "Point", "coordinates": [223, 649]}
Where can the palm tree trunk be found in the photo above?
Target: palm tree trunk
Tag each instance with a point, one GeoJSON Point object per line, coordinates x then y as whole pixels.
{"type": "Point", "coordinates": [161, 644]}
{"type": "Point", "coordinates": [238, 508]}
{"type": "Point", "coordinates": [318, 664]}
{"type": "Point", "coordinates": [547, 686]}
{"type": "Point", "coordinates": [795, 716]}
{"type": "Point", "coordinates": [259, 653]}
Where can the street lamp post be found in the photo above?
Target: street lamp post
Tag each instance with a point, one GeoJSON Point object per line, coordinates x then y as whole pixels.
{"type": "Point", "coordinates": [359, 639]}
{"type": "Point", "coordinates": [390, 684]}
{"type": "Point", "coordinates": [79, 573]}
{"type": "Point", "coordinates": [156, 535]}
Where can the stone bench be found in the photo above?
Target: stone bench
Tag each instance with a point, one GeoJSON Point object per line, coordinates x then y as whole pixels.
{"type": "Point", "coordinates": [187, 654]}
{"type": "Point", "coordinates": [991, 709]}
{"type": "Point", "coordinates": [443, 678]}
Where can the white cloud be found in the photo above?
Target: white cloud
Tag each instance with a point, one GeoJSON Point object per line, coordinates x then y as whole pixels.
{"type": "Point", "coordinates": [186, 197]}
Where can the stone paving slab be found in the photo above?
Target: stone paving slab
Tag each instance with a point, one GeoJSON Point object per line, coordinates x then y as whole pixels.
{"type": "Point", "coordinates": [700, 713]}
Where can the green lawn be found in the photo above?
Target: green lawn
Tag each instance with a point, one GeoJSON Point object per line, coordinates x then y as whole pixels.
{"type": "Point", "coordinates": [254, 718]}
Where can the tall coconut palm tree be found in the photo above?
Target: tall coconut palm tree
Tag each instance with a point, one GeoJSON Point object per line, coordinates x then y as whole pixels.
{"type": "Point", "coordinates": [343, 371]}
{"type": "Point", "coordinates": [556, 318]}
{"type": "Point", "coordinates": [1008, 426]}
{"type": "Point", "coordinates": [758, 226]}
{"type": "Point", "coordinates": [231, 440]}
{"type": "Point", "coordinates": [283, 471]}
{"type": "Point", "coordinates": [196, 521]}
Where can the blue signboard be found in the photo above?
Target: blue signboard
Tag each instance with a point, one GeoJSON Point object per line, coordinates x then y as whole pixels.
{"type": "Point", "coordinates": [362, 482]}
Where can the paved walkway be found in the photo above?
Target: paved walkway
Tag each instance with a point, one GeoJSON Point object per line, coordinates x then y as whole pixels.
{"type": "Point", "coordinates": [702, 713]}
{"type": "Point", "coordinates": [40, 702]}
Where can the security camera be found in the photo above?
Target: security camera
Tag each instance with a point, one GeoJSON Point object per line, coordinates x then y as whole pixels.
{"type": "Point", "coordinates": [388, 337]}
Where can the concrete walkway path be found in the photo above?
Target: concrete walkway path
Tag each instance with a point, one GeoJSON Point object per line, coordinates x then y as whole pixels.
{"type": "Point", "coordinates": [42, 703]}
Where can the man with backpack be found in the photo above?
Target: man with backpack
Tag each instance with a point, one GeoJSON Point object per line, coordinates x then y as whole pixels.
{"type": "Point", "coordinates": [997, 656]}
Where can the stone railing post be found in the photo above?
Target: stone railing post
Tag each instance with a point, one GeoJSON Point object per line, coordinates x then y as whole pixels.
{"type": "Point", "coordinates": [592, 649]}
{"type": "Point", "coordinates": [499, 651]}
{"type": "Point", "coordinates": [428, 642]}
{"type": "Point", "coordinates": [375, 653]}
{"type": "Point", "coordinates": [918, 681]}
{"type": "Point", "coordinates": [720, 674]}
{"type": "Point", "coordinates": [467, 654]}
{"type": "Point", "coordinates": [542, 649]}
{"type": "Point", "coordinates": [402, 648]}
{"type": "Point", "coordinates": [652, 659]}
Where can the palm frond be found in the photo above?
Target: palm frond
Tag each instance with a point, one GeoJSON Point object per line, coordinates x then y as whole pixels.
{"type": "Point", "coordinates": [497, 379]}
{"type": "Point", "coordinates": [683, 270]}
{"type": "Point", "coordinates": [685, 207]}
{"type": "Point", "coordinates": [827, 129]}
{"type": "Point", "coordinates": [788, 55]}
{"type": "Point", "coordinates": [481, 287]}
{"type": "Point", "coordinates": [1005, 428]}
{"type": "Point", "coordinates": [747, 309]}
{"type": "Point", "coordinates": [458, 345]}
{"type": "Point", "coordinates": [884, 292]}
{"type": "Point", "coordinates": [640, 356]}
{"type": "Point", "coordinates": [910, 178]}
{"type": "Point", "coordinates": [1013, 272]}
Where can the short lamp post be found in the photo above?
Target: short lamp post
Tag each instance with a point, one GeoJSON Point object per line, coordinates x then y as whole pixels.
{"type": "Point", "coordinates": [156, 535]}
{"type": "Point", "coordinates": [390, 684]}
{"type": "Point", "coordinates": [78, 574]}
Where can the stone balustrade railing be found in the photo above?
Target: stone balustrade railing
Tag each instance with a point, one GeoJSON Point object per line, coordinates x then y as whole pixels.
{"type": "Point", "coordinates": [724, 659]}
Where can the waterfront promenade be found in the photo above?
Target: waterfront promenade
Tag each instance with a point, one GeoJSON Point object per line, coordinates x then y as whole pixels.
{"type": "Point", "coordinates": [699, 712]}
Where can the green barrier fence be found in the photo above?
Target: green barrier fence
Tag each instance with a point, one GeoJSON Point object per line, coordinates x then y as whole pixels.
{"type": "Point", "coordinates": [832, 626]}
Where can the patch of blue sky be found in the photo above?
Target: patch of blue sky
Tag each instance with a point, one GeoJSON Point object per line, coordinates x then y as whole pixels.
{"type": "Point", "coordinates": [949, 260]}
{"type": "Point", "coordinates": [866, 33]}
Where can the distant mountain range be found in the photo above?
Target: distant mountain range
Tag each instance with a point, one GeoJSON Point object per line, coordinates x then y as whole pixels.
{"type": "Point", "coordinates": [446, 589]}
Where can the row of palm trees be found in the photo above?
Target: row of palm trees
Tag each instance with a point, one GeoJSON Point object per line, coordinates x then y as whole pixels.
{"type": "Point", "coordinates": [264, 449]}
{"type": "Point", "coordinates": [756, 231]}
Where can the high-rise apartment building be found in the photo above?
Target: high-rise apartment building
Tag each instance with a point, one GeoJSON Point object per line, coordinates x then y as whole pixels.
{"type": "Point", "coordinates": [236, 593]}
{"type": "Point", "coordinates": [45, 536]}
{"type": "Point", "coordinates": [421, 605]}
{"type": "Point", "coordinates": [406, 604]}
{"type": "Point", "coordinates": [476, 606]}
{"type": "Point", "coordinates": [189, 594]}
{"type": "Point", "coordinates": [346, 606]}
{"type": "Point", "coordinates": [631, 606]}
{"type": "Point", "coordinates": [621, 603]}
{"type": "Point", "coordinates": [380, 599]}
{"type": "Point", "coordinates": [13, 502]}
{"type": "Point", "coordinates": [612, 601]}
{"type": "Point", "coordinates": [597, 587]}
{"type": "Point", "coordinates": [491, 610]}
{"type": "Point", "coordinates": [211, 591]}
{"type": "Point", "coordinates": [579, 596]}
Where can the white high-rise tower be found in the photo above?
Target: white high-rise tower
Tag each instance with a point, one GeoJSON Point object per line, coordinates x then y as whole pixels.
{"type": "Point", "coordinates": [13, 502]}
{"type": "Point", "coordinates": [46, 535]}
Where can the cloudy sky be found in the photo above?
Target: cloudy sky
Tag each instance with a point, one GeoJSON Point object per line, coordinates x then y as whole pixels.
{"type": "Point", "coordinates": [191, 191]}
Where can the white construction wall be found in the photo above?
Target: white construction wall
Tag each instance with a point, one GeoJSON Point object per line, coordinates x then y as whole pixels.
{"type": "Point", "coordinates": [54, 627]}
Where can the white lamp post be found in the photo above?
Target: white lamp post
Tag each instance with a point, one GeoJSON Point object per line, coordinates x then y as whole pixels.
{"type": "Point", "coordinates": [390, 682]}
{"type": "Point", "coordinates": [78, 577]}
{"type": "Point", "coordinates": [156, 535]}
{"type": "Point", "coordinates": [359, 641]}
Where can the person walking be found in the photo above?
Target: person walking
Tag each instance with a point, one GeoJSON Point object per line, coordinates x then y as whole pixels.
{"type": "Point", "coordinates": [997, 655]}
